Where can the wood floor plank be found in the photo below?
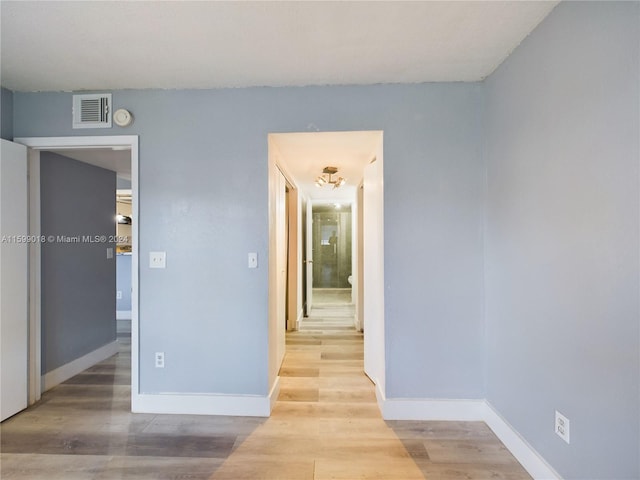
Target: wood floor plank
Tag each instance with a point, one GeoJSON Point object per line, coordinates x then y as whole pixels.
{"type": "Point", "coordinates": [326, 424]}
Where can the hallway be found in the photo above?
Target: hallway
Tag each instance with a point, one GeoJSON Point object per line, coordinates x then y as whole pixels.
{"type": "Point", "coordinates": [325, 425]}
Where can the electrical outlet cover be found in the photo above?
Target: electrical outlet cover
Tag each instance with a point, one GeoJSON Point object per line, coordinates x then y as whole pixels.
{"type": "Point", "coordinates": [562, 427]}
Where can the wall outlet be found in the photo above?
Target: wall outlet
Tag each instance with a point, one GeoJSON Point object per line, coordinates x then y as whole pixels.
{"type": "Point", "coordinates": [562, 427]}
{"type": "Point", "coordinates": [159, 359]}
{"type": "Point", "coordinates": [119, 295]}
{"type": "Point", "coordinates": [157, 259]}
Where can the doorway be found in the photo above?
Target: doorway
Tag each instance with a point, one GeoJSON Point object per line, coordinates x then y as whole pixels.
{"type": "Point", "coordinates": [73, 146]}
{"type": "Point", "coordinates": [331, 255]}
{"type": "Point", "coordinates": [332, 262]}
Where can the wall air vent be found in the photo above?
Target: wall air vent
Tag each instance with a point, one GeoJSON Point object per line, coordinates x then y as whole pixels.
{"type": "Point", "coordinates": [92, 110]}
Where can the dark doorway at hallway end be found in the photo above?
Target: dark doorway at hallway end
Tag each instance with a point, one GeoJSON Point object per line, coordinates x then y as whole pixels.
{"type": "Point", "coordinates": [332, 249]}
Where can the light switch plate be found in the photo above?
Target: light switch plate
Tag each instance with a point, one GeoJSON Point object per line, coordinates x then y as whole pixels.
{"type": "Point", "coordinates": [109, 253]}
{"type": "Point", "coordinates": [253, 260]}
{"type": "Point", "coordinates": [157, 259]}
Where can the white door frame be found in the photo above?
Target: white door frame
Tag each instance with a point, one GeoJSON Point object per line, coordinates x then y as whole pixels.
{"type": "Point", "coordinates": [371, 291]}
{"type": "Point", "coordinates": [308, 261]}
{"type": "Point", "coordinates": [36, 144]}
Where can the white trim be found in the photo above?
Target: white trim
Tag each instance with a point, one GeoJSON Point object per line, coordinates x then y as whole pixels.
{"type": "Point", "coordinates": [207, 404]}
{"type": "Point", "coordinates": [123, 314]}
{"type": "Point", "coordinates": [65, 372]}
{"type": "Point", "coordinates": [432, 409]}
{"type": "Point", "coordinates": [107, 141]}
{"type": "Point", "coordinates": [202, 404]}
{"type": "Point", "coordinates": [528, 457]}
{"type": "Point", "coordinates": [380, 398]}
{"type": "Point", "coordinates": [274, 394]}
{"type": "Point", "coordinates": [35, 269]}
{"type": "Point", "coordinates": [299, 319]}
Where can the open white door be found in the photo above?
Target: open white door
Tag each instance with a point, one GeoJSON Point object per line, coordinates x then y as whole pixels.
{"type": "Point", "coordinates": [13, 278]}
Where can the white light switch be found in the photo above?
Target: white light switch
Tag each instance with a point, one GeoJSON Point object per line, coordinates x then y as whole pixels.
{"type": "Point", "coordinates": [109, 253]}
{"type": "Point", "coordinates": [253, 260]}
{"type": "Point", "coordinates": [157, 259]}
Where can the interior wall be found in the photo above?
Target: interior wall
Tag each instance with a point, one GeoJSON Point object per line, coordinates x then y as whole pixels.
{"type": "Point", "coordinates": [562, 225]}
{"type": "Point", "coordinates": [204, 195]}
{"type": "Point", "coordinates": [123, 282]}
{"type": "Point", "coordinates": [78, 280]}
{"type": "Point", "coordinates": [6, 114]}
{"type": "Point", "coordinates": [433, 244]}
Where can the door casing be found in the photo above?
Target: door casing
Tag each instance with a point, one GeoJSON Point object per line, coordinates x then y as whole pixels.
{"type": "Point", "coordinates": [37, 144]}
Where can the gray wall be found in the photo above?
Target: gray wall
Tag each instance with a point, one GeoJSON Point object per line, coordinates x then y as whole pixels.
{"type": "Point", "coordinates": [562, 238]}
{"type": "Point", "coordinates": [203, 200]}
{"type": "Point", "coordinates": [78, 281]}
{"type": "Point", "coordinates": [559, 125]}
{"type": "Point", "coordinates": [123, 281]}
{"type": "Point", "coordinates": [123, 184]}
{"type": "Point", "coordinates": [6, 114]}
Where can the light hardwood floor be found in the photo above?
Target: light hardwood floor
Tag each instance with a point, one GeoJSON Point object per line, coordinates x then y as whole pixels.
{"type": "Point", "coordinates": [325, 425]}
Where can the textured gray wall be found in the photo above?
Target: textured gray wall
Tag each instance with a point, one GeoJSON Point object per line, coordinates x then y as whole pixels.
{"type": "Point", "coordinates": [123, 281]}
{"type": "Point", "coordinates": [6, 114]}
{"type": "Point", "coordinates": [203, 200]}
{"type": "Point", "coordinates": [123, 184]}
{"type": "Point", "coordinates": [562, 238]}
{"type": "Point", "coordinates": [561, 229]}
{"type": "Point", "coordinates": [78, 281]}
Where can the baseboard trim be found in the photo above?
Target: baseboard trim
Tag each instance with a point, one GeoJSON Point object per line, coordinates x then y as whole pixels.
{"type": "Point", "coordinates": [206, 404]}
{"type": "Point", "coordinates": [432, 409]}
{"type": "Point", "coordinates": [528, 457]}
{"type": "Point", "coordinates": [274, 394]}
{"type": "Point", "coordinates": [380, 398]}
{"type": "Point", "coordinates": [299, 319]}
{"type": "Point", "coordinates": [65, 372]}
{"type": "Point", "coordinates": [123, 314]}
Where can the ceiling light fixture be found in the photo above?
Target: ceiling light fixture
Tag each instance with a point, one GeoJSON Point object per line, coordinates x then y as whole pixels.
{"type": "Point", "coordinates": [325, 178]}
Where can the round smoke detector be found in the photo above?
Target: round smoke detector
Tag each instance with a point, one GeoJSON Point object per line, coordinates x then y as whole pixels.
{"type": "Point", "coordinates": [122, 117]}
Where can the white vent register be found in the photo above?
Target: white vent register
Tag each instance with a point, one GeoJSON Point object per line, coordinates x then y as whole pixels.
{"type": "Point", "coordinates": [92, 110]}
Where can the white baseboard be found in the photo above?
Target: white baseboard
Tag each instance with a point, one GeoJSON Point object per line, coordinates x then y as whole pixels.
{"type": "Point", "coordinates": [380, 398]}
{"type": "Point", "coordinates": [123, 314]}
{"type": "Point", "coordinates": [274, 394]}
{"type": "Point", "coordinates": [528, 457]}
{"type": "Point", "coordinates": [206, 404]}
{"type": "Point", "coordinates": [431, 409]}
{"type": "Point", "coordinates": [65, 372]}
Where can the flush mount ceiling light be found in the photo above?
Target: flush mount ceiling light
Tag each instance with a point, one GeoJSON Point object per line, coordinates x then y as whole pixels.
{"type": "Point", "coordinates": [123, 219]}
{"type": "Point", "coordinates": [325, 178]}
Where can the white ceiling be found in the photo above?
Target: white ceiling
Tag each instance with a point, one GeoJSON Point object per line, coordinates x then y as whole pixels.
{"type": "Point", "coordinates": [117, 160]}
{"type": "Point", "coordinates": [89, 45]}
{"type": "Point", "coordinates": [110, 45]}
{"type": "Point", "coordinates": [304, 155]}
